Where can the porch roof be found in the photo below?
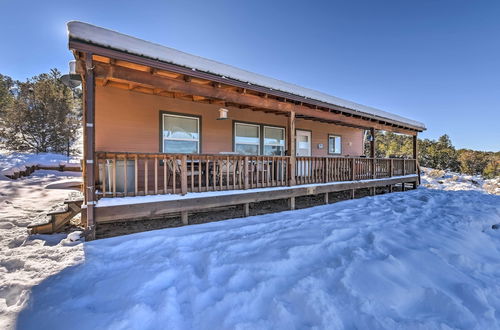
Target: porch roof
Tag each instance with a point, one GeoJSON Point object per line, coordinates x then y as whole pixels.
{"type": "Point", "coordinates": [121, 42]}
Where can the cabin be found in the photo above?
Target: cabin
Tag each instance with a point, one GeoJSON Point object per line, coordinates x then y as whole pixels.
{"type": "Point", "coordinates": [169, 132]}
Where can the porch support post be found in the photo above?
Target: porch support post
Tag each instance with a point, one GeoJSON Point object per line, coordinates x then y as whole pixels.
{"type": "Point", "coordinates": [291, 203]}
{"type": "Point", "coordinates": [415, 147]}
{"type": "Point", "coordinates": [291, 148]}
{"type": "Point", "coordinates": [326, 198]}
{"type": "Point", "coordinates": [89, 144]}
{"type": "Point", "coordinates": [246, 209]}
{"type": "Point", "coordinates": [372, 151]}
{"type": "Point", "coordinates": [415, 156]}
{"type": "Point", "coordinates": [185, 218]}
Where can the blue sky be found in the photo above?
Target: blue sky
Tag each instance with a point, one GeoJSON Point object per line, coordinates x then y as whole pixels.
{"type": "Point", "coordinates": [436, 61]}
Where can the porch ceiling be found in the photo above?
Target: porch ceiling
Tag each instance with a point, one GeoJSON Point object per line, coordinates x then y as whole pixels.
{"type": "Point", "coordinates": [149, 79]}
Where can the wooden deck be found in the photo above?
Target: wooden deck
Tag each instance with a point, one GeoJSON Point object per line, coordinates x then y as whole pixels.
{"type": "Point", "coordinates": [150, 207]}
{"type": "Point", "coordinates": [133, 186]}
{"type": "Point", "coordinates": [131, 174]}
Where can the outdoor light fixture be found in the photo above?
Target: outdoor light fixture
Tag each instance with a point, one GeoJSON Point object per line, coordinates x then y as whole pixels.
{"type": "Point", "coordinates": [72, 80]}
{"type": "Point", "coordinates": [72, 67]}
{"type": "Point", "coordinates": [223, 114]}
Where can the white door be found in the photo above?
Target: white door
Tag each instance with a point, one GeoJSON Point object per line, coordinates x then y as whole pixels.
{"type": "Point", "coordinates": [303, 139]}
{"type": "Point", "coordinates": [303, 149]}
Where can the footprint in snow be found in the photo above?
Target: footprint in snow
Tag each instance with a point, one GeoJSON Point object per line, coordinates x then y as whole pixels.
{"type": "Point", "coordinates": [14, 294]}
{"type": "Point", "coordinates": [6, 225]}
{"type": "Point", "coordinates": [12, 264]}
{"type": "Point", "coordinates": [341, 235]}
{"type": "Point", "coordinates": [15, 243]}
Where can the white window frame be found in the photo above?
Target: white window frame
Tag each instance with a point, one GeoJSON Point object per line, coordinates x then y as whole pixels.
{"type": "Point", "coordinates": [177, 139]}
{"type": "Point", "coordinates": [264, 144]}
{"type": "Point", "coordinates": [340, 146]}
{"type": "Point", "coordinates": [247, 143]}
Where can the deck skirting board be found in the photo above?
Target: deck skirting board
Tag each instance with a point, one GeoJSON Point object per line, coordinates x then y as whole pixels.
{"type": "Point", "coordinates": [154, 209]}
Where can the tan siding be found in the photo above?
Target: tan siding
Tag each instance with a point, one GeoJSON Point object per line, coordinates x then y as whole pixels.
{"type": "Point", "coordinates": [129, 121]}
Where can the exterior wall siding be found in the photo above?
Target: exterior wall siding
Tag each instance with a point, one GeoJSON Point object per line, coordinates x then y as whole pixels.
{"type": "Point", "coordinates": [128, 121]}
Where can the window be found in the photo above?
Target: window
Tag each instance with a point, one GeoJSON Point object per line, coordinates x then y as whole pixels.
{"type": "Point", "coordinates": [181, 134]}
{"type": "Point", "coordinates": [334, 144]}
{"type": "Point", "coordinates": [274, 141]}
{"type": "Point", "coordinates": [246, 139]}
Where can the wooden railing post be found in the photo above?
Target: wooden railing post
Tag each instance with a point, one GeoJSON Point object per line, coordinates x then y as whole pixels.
{"type": "Point", "coordinates": [245, 173]}
{"type": "Point", "coordinates": [114, 175]}
{"type": "Point", "coordinates": [184, 175]}
{"type": "Point", "coordinates": [156, 174]}
{"type": "Point", "coordinates": [326, 169]}
{"type": "Point", "coordinates": [391, 167]}
{"type": "Point", "coordinates": [404, 167]}
{"type": "Point", "coordinates": [104, 167]}
{"type": "Point", "coordinates": [374, 168]}
{"type": "Point", "coordinates": [125, 176]}
{"type": "Point", "coordinates": [353, 169]}
{"type": "Point", "coordinates": [146, 176]}
{"type": "Point", "coordinates": [136, 175]}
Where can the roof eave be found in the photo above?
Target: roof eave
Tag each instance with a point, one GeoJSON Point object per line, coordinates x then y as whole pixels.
{"type": "Point", "coordinates": [86, 46]}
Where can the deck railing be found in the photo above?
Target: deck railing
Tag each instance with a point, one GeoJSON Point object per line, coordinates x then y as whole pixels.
{"type": "Point", "coordinates": [139, 174]}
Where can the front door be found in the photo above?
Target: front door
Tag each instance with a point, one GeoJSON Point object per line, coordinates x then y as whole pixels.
{"type": "Point", "coordinates": [303, 139]}
{"type": "Point", "coordinates": [303, 149]}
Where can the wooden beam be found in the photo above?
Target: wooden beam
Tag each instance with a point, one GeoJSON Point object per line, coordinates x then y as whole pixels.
{"type": "Point", "coordinates": [163, 73]}
{"type": "Point", "coordinates": [198, 98]}
{"type": "Point", "coordinates": [102, 59]}
{"type": "Point", "coordinates": [229, 94]}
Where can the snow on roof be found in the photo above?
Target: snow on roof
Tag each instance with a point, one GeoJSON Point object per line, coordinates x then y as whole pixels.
{"type": "Point", "coordinates": [108, 38]}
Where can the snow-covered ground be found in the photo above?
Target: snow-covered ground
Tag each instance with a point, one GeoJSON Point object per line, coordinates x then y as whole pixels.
{"type": "Point", "coordinates": [439, 179]}
{"type": "Point", "coordinates": [26, 261]}
{"type": "Point", "coordinates": [423, 259]}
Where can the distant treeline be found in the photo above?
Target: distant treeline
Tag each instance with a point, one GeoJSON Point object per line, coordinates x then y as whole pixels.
{"type": "Point", "coordinates": [439, 154]}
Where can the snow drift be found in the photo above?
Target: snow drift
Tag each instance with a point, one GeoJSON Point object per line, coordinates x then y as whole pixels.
{"type": "Point", "coordinates": [421, 259]}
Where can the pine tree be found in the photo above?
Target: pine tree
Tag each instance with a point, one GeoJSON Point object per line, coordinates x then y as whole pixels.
{"type": "Point", "coordinates": [492, 169]}
{"type": "Point", "coordinates": [43, 118]}
{"type": "Point", "coordinates": [6, 97]}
